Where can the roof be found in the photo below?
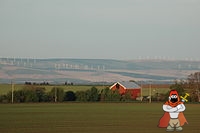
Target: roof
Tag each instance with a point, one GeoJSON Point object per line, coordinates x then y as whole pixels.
{"type": "Point", "coordinates": [127, 85]}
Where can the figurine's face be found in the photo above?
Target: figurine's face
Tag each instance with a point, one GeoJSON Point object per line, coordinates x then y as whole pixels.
{"type": "Point", "coordinates": [173, 96]}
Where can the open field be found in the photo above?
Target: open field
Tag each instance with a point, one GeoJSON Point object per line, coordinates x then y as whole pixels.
{"type": "Point", "coordinates": [89, 118]}
{"type": "Point", "coordinates": [5, 88]}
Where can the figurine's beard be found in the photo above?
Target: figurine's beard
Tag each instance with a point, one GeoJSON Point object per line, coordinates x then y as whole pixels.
{"type": "Point", "coordinates": [174, 100]}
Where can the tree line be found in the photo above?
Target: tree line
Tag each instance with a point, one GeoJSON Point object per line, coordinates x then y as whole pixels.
{"type": "Point", "coordinates": [32, 93]}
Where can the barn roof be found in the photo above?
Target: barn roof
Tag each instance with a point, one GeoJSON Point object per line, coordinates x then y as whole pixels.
{"type": "Point", "coordinates": [127, 85]}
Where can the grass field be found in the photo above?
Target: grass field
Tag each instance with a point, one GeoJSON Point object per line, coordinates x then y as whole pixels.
{"type": "Point", "coordinates": [90, 118]}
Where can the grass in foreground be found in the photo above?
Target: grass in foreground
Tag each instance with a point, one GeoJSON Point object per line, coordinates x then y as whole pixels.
{"type": "Point", "coordinates": [89, 118]}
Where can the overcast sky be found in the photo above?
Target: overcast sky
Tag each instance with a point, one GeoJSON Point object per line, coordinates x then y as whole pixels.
{"type": "Point", "coordinates": [100, 29]}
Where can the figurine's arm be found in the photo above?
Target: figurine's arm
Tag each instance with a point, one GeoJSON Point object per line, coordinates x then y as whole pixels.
{"type": "Point", "coordinates": [169, 109]}
{"type": "Point", "coordinates": [181, 108]}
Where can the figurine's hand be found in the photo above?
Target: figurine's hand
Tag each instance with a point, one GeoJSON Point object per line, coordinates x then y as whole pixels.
{"type": "Point", "coordinates": [179, 106]}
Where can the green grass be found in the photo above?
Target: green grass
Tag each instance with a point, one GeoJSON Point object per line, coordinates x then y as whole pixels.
{"type": "Point", "coordinates": [146, 91]}
{"type": "Point", "coordinates": [5, 88]}
{"type": "Point", "coordinates": [89, 118]}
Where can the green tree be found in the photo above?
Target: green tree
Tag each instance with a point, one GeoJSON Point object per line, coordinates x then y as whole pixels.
{"type": "Point", "coordinates": [4, 99]}
{"type": "Point", "coordinates": [88, 95]}
{"type": "Point", "coordinates": [70, 96]}
{"type": "Point", "coordinates": [127, 96]}
{"type": "Point", "coordinates": [31, 96]}
{"type": "Point", "coordinates": [115, 95]}
{"type": "Point", "coordinates": [81, 96]}
{"type": "Point", "coordinates": [179, 86]}
{"type": "Point", "coordinates": [93, 94]}
{"type": "Point", "coordinates": [27, 94]}
{"type": "Point", "coordinates": [19, 96]}
{"type": "Point", "coordinates": [40, 93]}
{"type": "Point", "coordinates": [110, 95]}
{"type": "Point", "coordinates": [103, 94]}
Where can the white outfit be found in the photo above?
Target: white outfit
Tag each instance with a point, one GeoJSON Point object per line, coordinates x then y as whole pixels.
{"type": "Point", "coordinates": [174, 111]}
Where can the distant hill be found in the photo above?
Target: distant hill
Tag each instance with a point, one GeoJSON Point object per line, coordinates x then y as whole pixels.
{"type": "Point", "coordinates": [82, 71]}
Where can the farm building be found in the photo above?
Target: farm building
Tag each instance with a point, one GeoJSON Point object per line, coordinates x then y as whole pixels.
{"type": "Point", "coordinates": [124, 87]}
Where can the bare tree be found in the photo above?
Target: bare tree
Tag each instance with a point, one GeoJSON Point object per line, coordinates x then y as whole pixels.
{"type": "Point", "coordinates": [194, 86]}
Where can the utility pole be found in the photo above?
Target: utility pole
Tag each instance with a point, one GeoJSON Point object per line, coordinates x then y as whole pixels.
{"type": "Point", "coordinates": [150, 92]}
{"type": "Point", "coordinates": [12, 91]}
{"type": "Point", "coordinates": [141, 92]}
{"type": "Point", "coordinates": [55, 94]}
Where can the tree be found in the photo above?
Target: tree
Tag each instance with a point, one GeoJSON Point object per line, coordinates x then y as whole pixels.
{"type": "Point", "coordinates": [115, 95]}
{"type": "Point", "coordinates": [30, 96]}
{"type": "Point", "coordinates": [29, 93]}
{"type": "Point", "coordinates": [81, 96]}
{"type": "Point", "coordinates": [88, 95]}
{"type": "Point", "coordinates": [110, 95]}
{"type": "Point", "coordinates": [193, 85]}
{"type": "Point", "coordinates": [103, 94]}
{"type": "Point", "coordinates": [70, 96]}
{"type": "Point", "coordinates": [40, 93]}
{"type": "Point", "coordinates": [93, 94]}
{"type": "Point", "coordinates": [179, 87]}
{"type": "Point", "coordinates": [4, 98]}
{"type": "Point", "coordinates": [127, 96]}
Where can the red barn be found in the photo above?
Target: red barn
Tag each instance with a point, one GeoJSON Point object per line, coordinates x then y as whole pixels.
{"type": "Point", "coordinates": [124, 87]}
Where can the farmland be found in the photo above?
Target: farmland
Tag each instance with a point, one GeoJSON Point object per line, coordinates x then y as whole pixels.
{"type": "Point", "coordinates": [89, 118]}
{"type": "Point", "coordinates": [94, 70]}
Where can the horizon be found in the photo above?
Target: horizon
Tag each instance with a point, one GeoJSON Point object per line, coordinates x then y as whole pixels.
{"type": "Point", "coordinates": [139, 58]}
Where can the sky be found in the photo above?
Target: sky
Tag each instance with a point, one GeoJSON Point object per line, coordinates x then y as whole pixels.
{"type": "Point", "coordinates": [100, 29]}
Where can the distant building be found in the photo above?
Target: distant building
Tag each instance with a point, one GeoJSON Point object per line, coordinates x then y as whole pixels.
{"type": "Point", "coordinates": [125, 87]}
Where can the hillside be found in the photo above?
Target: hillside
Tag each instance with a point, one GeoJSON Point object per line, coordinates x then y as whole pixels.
{"type": "Point", "coordinates": [93, 70]}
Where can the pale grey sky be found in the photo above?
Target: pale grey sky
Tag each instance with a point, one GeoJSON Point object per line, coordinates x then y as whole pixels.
{"type": "Point", "coordinates": [100, 29]}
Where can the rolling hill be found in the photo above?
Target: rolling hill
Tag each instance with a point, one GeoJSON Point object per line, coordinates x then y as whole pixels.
{"type": "Point", "coordinates": [82, 71]}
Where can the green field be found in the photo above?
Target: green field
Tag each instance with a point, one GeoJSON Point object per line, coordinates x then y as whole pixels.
{"type": "Point", "coordinates": [90, 118]}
